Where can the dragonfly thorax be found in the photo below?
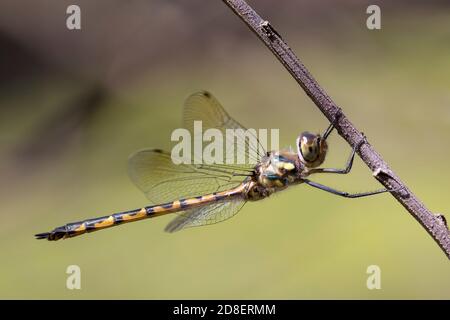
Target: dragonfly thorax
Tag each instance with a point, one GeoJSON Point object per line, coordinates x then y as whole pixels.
{"type": "Point", "coordinates": [275, 172]}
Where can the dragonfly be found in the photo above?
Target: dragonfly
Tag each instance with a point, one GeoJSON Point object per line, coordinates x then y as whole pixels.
{"type": "Point", "coordinates": [205, 194]}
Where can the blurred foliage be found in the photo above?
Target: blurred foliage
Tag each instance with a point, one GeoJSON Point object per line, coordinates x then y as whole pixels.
{"type": "Point", "coordinates": [302, 243]}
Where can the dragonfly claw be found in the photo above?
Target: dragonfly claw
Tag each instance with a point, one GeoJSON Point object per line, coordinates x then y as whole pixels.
{"type": "Point", "coordinates": [44, 235]}
{"type": "Point", "coordinates": [54, 235]}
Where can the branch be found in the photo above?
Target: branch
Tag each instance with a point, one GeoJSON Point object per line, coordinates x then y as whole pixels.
{"type": "Point", "coordinates": [435, 225]}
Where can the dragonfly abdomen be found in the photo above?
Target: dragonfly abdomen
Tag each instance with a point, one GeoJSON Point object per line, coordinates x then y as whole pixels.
{"type": "Point", "coordinates": [78, 228]}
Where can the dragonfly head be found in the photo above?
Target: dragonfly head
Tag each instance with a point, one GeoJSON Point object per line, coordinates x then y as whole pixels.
{"type": "Point", "coordinates": [311, 149]}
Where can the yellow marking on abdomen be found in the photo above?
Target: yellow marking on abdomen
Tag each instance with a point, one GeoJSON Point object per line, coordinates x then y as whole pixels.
{"type": "Point", "coordinates": [108, 222]}
{"type": "Point", "coordinates": [192, 201]}
{"type": "Point", "coordinates": [176, 205]}
{"type": "Point", "coordinates": [157, 209]}
{"type": "Point", "coordinates": [81, 228]}
{"type": "Point", "coordinates": [208, 197]}
{"type": "Point", "coordinates": [139, 215]}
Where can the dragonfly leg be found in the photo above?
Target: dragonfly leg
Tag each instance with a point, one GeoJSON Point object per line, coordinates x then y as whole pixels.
{"type": "Point", "coordinates": [328, 131]}
{"type": "Point", "coordinates": [348, 166]}
{"type": "Point", "coordinates": [346, 170]}
{"type": "Point", "coordinates": [343, 193]}
{"type": "Point", "coordinates": [332, 125]}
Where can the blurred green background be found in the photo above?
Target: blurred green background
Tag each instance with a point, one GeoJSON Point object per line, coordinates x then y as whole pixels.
{"type": "Point", "coordinates": [75, 104]}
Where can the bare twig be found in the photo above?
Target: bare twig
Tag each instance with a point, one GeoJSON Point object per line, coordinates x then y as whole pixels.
{"type": "Point", "coordinates": [434, 224]}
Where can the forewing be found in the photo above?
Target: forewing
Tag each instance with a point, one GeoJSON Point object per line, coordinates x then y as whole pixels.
{"type": "Point", "coordinates": [203, 106]}
{"type": "Point", "coordinates": [162, 181]}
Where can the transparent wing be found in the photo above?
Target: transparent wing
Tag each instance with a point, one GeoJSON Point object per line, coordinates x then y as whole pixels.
{"type": "Point", "coordinates": [163, 181]}
{"type": "Point", "coordinates": [202, 106]}
{"type": "Point", "coordinates": [209, 214]}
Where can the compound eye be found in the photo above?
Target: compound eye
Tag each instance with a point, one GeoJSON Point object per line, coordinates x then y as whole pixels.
{"type": "Point", "coordinates": [309, 146]}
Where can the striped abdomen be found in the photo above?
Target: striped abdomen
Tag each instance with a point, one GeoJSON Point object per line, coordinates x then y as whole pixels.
{"type": "Point", "coordinates": [78, 228]}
